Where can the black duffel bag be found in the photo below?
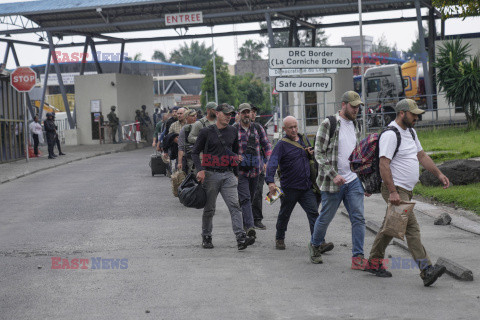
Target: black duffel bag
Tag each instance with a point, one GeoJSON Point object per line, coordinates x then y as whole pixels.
{"type": "Point", "coordinates": [191, 193]}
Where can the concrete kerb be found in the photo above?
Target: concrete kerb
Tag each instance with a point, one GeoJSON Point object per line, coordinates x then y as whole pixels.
{"type": "Point", "coordinates": [454, 269]}
{"type": "Point", "coordinates": [127, 147]}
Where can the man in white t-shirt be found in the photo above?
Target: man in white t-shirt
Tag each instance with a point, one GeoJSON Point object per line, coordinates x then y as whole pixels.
{"type": "Point", "coordinates": [336, 138]}
{"type": "Point", "coordinates": [400, 173]}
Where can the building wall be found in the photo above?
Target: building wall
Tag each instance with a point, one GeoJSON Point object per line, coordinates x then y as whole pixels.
{"type": "Point", "coordinates": [258, 67]}
{"type": "Point", "coordinates": [128, 93]}
{"type": "Point", "coordinates": [327, 102]}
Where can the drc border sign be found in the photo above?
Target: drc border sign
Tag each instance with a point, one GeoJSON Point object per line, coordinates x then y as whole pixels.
{"type": "Point", "coordinates": [314, 57]}
{"type": "Point", "coordinates": [23, 79]}
{"type": "Point", "coordinates": [323, 84]}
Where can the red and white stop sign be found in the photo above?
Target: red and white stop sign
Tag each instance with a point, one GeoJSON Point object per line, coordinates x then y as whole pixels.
{"type": "Point", "coordinates": [23, 79]}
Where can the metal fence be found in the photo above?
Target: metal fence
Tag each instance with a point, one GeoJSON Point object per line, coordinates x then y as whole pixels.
{"type": "Point", "coordinates": [379, 114]}
{"type": "Point", "coordinates": [11, 123]}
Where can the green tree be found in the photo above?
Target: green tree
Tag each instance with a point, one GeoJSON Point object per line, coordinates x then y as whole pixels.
{"type": "Point", "coordinates": [466, 8]}
{"type": "Point", "coordinates": [252, 90]}
{"type": "Point", "coordinates": [458, 75]}
{"type": "Point", "coordinates": [305, 36]}
{"type": "Point", "coordinates": [197, 54]}
{"type": "Point", "coordinates": [251, 50]}
{"type": "Point", "coordinates": [136, 57]}
{"type": "Point", "coordinates": [226, 91]}
{"type": "Point", "coordinates": [159, 56]}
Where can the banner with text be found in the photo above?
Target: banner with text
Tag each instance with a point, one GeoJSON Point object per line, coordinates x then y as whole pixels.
{"type": "Point", "coordinates": [314, 57]}
{"type": "Point", "coordinates": [298, 72]}
{"type": "Point", "coordinates": [323, 84]}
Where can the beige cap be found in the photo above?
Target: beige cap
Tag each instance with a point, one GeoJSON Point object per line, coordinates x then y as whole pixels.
{"type": "Point", "coordinates": [190, 112]}
{"type": "Point", "coordinates": [408, 105]}
{"type": "Point", "coordinates": [244, 106]}
{"type": "Point", "coordinates": [352, 97]}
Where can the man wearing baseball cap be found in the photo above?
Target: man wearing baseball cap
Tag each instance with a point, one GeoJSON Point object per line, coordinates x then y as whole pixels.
{"type": "Point", "coordinates": [219, 144]}
{"type": "Point", "coordinates": [252, 139]}
{"type": "Point", "coordinates": [400, 172]}
{"type": "Point", "coordinates": [337, 136]}
{"type": "Point", "coordinates": [206, 121]}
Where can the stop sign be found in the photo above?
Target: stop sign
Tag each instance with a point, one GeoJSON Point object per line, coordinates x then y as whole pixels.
{"type": "Point", "coordinates": [23, 79]}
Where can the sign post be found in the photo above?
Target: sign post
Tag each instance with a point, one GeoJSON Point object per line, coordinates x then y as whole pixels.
{"type": "Point", "coordinates": [23, 79]}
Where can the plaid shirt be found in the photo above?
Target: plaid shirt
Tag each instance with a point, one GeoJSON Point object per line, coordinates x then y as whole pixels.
{"type": "Point", "coordinates": [261, 140]}
{"type": "Point", "coordinates": [326, 154]}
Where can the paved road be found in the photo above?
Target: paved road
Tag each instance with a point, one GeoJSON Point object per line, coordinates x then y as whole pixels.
{"type": "Point", "coordinates": [110, 207]}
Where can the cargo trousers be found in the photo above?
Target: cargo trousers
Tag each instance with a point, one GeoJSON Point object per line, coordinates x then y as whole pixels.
{"type": "Point", "coordinates": [412, 234]}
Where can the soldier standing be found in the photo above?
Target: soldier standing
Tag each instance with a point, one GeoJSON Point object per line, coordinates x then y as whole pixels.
{"type": "Point", "coordinates": [140, 120]}
{"type": "Point", "coordinates": [147, 122]}
{"type": "Point", "coordinates": [57, 141]}
{"type": "Point", "coordinates": [49, 125]}
{"type": "Point", "coordinates": [113, 122]}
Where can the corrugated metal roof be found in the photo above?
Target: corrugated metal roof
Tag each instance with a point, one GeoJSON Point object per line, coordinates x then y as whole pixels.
{"type": "Point", "coordinates": [136, 15]}
{"type": "Point", "coordinates": [49, 6]}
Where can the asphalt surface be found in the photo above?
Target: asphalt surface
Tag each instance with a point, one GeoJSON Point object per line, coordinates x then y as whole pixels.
{"type": "Point", "coordinates": [110, 207]}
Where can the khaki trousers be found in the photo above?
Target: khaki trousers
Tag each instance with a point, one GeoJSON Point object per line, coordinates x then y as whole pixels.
{"type": "Point", "coordinates": [413, 234]}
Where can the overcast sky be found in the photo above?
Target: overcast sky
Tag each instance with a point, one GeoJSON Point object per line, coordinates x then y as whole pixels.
{"type": "Point", "coordinates": [401, 34]}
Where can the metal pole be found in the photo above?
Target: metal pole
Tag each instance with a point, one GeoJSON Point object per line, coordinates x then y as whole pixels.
{"type": "Point", "coordinates": [122, 53]}
{"type": "Point", "coordinates": [304, 112]}
{"type": "Point", "coordinates": [421, 37]}
{"type": "Point", "coordinates": [270, 30]}
{"type": "Point", "coordinates": [44, 91]}
{"type": "Point", "coordinates": [362, 71]}
{"type": "Point", "coordinates": [214, 70]}
{"type": "Point", "coordinates": [60, 81]}
{"type": "Point", "coordinates": [25, 130]}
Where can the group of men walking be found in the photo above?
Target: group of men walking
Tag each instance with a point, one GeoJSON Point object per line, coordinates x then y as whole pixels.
{"type": "Point", "coordinates": [236, 160]}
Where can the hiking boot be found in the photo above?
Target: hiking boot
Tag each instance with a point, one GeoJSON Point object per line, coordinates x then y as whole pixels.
{"type": "Point", "coordinates": [315, 254]}
{"type": "Point", "coordinates": [359, 263]}
{"type": "Point", "coordinates": [432, 273]}
{"type": "Point", "coordinates": [259, 225]}
{"type": "Point", "coordinates": [244, 242]}
{"type": "Point", "coordinates": [251, 233]}
{"type": "Point", "coordinates": [326, 246]}
{"type": "Point", "coordinates": [207, 242]}
{"type": "Point", "coordinates": [377, 269]}
{"type": "Point", "coordinates": [280, 244]}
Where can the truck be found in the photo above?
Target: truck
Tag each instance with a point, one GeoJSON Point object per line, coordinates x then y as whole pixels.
{"type": "Point", "coordinates": [386, 85]}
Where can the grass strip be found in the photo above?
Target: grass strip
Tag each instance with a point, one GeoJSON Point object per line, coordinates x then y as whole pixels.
{"type": "Point", "coordinates": [467, 197]}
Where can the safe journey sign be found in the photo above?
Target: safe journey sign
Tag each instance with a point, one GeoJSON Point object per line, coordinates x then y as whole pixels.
{"type": "Point", "coordinates": [323, 84]}
{"type": "Point", "coordinates": [314, 57]}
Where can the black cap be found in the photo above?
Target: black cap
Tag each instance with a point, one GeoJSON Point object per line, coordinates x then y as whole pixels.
{"type": "Point", "coordinates": [225, 108]}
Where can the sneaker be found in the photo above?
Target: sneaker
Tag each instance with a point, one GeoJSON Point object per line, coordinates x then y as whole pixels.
{"type": "Point", "coordinates": [432, 273]}
{"type": "Point", "coordinates": [244, 242]}
{"type": "Point", "coordinates": [378, 269]}
{"type": "Point", "coordinates": [359, 263]}
{"type": "Point", "coordinates": [259, 225]}
{"type": "Point", "coordinates": [62, 154]}
{"type": "Point", "coordinates": [280, 244]}
{"type": "Point", "coordinates": [251, 233]}
{"type": "Point", "coordinates": [207, 242]}
{"type": "Point", "coordinates": [315, 254]}
{"type": "Point", "coordinates": [326, 246]}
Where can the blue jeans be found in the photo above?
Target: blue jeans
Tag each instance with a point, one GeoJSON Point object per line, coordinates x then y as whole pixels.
{"type": "Point", "coordinates": [352, 195]}
{"type": "Point", "coordinates": [246, 193]}
{"type": "Point", "coordinates": [307, 200]}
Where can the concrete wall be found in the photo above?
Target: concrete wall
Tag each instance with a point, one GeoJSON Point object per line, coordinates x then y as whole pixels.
{"type": "Point", "coordinates": [327, 102]}
{"type": "Point", "coordinates": [127, 93]}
